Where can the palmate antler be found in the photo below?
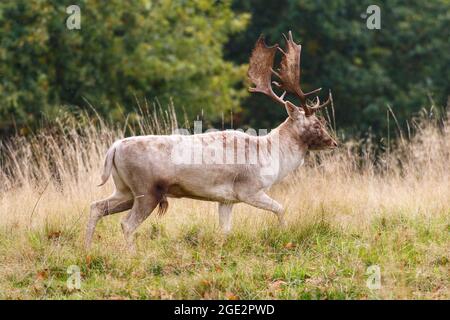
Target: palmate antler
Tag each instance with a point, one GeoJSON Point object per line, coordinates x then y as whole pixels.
{"type": "Point", "coordinates": [260, 73]}
{"type": "Point", "coordinates": [260, 69]}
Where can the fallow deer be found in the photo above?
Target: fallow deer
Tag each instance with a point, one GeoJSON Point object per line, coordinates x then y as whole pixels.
{"type": "Point", "coordinates": [145, 173]}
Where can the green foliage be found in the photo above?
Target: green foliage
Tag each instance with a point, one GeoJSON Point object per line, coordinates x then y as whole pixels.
{"type": "Point", "coordinates": [332, 266]}
{"type": "Point", "coordinates": [193, 52]}
{"type": "Point", "coordinates": [125, 50]}
{"type": "Point", "coordinates": [405, 64]}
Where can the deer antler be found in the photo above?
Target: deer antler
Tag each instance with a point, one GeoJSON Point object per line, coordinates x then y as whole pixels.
{"type": "Point", "coordinates": [318, 106]}
{"type": "Point", "coordinates": [260, 70]}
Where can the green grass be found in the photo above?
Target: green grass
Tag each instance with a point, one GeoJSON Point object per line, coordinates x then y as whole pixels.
{"type": "Point", "coordinates": [315, 259]}
{"type": "Point", "coordinates": [347, 210]}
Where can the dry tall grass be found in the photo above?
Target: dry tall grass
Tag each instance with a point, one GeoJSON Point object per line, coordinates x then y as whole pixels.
{"type": "Point", "coordinates": [347, 210]}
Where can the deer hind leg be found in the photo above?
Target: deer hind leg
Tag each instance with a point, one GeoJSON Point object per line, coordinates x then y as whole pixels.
{"type": "Point", "coordinates": [118, 202]}
{"type": "Point", "coordinates": [142, 208]}
{"type": "Point", "coordinates": [225, 217]}
{"type": "Point", "coordinates": [263, 201]}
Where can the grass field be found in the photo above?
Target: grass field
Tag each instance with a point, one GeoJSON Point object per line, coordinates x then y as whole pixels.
{"type": "Point", "coordinates": [347, 211]}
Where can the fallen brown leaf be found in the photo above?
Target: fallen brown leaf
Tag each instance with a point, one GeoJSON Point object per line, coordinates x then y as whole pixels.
{"type": "Point", "coordinates": [54, 235]}
{"type": "Point", "coordinates": [205, 282]}
{"type": "Point", "coordinates": [277, 285]}
{"type": "Point", "coordinates": [42, 275]}
{"type": "Point", "coordinates": [88, 260]}
{"type": "Point", "coordinates": [231, 296]}
{"type": "Point", "coordinates": [114, 297]}
{"type": "Point", "coordinates": [290, 245]}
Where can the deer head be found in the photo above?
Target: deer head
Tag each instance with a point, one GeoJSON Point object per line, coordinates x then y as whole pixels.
{"type": "Point", "coordinates": [309, 128]}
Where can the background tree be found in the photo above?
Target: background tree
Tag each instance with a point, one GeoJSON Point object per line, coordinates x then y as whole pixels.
{"type": "Point", "coordinates": [405, 64]}
{"type": "Point", "coordinates": [195, 52]}
{"type": "Point", "coordinates": [124, 50]}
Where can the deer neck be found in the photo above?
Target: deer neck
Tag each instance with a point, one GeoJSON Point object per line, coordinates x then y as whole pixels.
{"type": "Point", "coordinates": [292, 149]}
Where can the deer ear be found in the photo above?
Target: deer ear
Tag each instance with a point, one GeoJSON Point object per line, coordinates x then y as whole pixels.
{"type": "Point", "coordinates": [293, 112]}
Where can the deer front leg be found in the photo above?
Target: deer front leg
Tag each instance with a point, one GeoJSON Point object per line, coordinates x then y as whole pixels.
{"type": "Point", "coordinates": [225, 217]}
{"type": "Point", "coordinates": [263, 201]}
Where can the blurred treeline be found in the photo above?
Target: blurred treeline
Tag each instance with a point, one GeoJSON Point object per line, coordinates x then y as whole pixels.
{"type": "Point", "coordinates": [194, 53]}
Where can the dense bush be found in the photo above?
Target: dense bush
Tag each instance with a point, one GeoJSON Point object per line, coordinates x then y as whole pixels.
{"type": "Point", "coordinates": [125, 51]}
{"type": "Point", "coordinates": [405, 63]}
{"type": "Point", "coordinates": [195, 52]}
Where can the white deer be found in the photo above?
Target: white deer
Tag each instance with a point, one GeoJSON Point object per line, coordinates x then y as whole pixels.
{"type": "Point", "coordinates": [234, 167]}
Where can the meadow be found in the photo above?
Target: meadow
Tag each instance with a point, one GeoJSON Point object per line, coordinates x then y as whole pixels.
{"type": "Point", "coordinates": [347, 210]}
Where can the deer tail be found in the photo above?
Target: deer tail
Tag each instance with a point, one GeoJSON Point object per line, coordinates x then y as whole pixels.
{"type": "Point", "coordinates": [107, 168]}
